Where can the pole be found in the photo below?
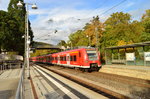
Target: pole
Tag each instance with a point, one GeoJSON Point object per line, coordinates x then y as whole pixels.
{"type": "Point", "coordinates": [27, 42]}
{"type": "Point", "coordinates": [96, 38]}
{"type": "Point", "coordinates": [89, 41]}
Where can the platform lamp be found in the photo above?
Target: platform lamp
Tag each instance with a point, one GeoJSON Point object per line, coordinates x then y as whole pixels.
{"type": "Point", "coordinates": [27, 40]}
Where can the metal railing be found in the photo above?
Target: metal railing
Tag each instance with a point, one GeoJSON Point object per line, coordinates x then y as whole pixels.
{"type": "Point", "coordinates": [20, 89]}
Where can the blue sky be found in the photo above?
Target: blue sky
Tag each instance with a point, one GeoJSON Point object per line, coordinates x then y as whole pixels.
{"type": "Point", "coordinates": [63, 15]}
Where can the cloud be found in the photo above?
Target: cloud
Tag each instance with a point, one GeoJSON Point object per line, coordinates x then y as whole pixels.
{"type": "Point", "coordinates": [67, 16]}
{"type": "Point", "coordinates": [66, 21]}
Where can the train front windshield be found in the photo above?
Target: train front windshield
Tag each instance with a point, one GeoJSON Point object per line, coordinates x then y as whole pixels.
{"type": "Point", "coordinates": [92, 55]}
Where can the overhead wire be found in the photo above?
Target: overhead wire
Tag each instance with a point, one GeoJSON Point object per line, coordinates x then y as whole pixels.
{"type": "Point", "coordinates": [113, 7]}
{"type": "Point", "coordinates": [96, 9]}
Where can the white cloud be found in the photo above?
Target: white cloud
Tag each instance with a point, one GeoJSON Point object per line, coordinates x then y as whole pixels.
{"type": "Point", "coordinates": [66, 21]}
{"type": "Point", "coordinates": [64, 16]}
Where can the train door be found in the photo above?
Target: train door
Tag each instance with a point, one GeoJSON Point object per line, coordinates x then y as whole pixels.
{"type": "Point", "coordinates": [80, 59]}
{"type": "Point", "coordinates": [58, 59]}
{"type": "Point", "coordinates": [68, 59]}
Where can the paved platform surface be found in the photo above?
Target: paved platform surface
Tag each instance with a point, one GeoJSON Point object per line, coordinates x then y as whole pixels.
{"type": "Point", "coordinates": [54, 86]}
{"type": "Point", "coordinates": [28, 94]}
{"type": "Point", "coordinates": [145, 68]}
{"type": "Point", "coordinates": [142, 72]}
{"type": "Point", "coordinates": [8, 83]}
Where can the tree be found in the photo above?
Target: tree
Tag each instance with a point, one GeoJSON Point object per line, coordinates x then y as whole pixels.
{"type": "Point", "coordinates": [62, 43]}
{"type": "Point", "coordinates": [120, 28]}
{"type": "Point", "coordinates": [81, 37]}
{"type": "Point", "coordinates": [3, 16]}
{"type": "Point", "coordinates": [18, 14]}
{"type": "Point", "coordinates": [90, 30]}
{"type": "Point", "coordinates": [9, 32]}
{"type": "Point", "coordinates": [78, 39]}
{"type": "Point", "coordinates": [146, 24]}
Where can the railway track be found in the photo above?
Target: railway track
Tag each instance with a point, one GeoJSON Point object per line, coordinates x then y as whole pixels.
{"type": "Point", "coordinates": [88, 84]}
{"type": "Point", "coordinates": [68, 89]}
{"type": "Point", "coordinates": [113, 77]}
{"type": "Point", "coordinates": [127, 86]}
{"type": "Point", "coordinates": [124, 79]}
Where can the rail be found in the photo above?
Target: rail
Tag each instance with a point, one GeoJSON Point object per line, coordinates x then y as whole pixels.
{"type": "Point", "coordinates": [90, 85]}
{"type": "Point", "coordinates": [19, 92]}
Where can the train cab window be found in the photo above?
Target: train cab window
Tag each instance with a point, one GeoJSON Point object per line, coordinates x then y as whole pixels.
{"type": "Point", "coordinates": [92, 55]}
{"type": "Point", "coordinates": [75, 58]}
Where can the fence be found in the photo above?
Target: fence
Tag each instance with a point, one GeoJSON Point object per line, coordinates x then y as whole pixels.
{"type": "Point", "coordinates": [20, 89]}
{"type": "Point", "coordinates": [133, 54]}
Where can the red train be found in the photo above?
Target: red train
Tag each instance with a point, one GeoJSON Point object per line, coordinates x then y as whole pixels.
{"type": "Point", "coordinates": [87, 59]}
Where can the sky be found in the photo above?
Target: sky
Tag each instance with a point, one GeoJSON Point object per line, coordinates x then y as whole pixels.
{"type": "Point", "coordinates": [68, 16]}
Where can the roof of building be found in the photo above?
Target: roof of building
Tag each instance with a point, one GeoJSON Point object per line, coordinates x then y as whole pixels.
{"type": "Point", "coordinates": [130, 45]}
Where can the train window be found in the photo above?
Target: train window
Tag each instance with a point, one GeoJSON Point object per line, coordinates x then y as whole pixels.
{"type": "Point", "coordinates": [71, 58]}
{"type": "Point", "coordinates": [75, 58]}
{"type": "Point", "coordinates": [55, 58]}
{"type": "Point", "coordinates": [92, 55]}
{"type": "Point", "coordinates": [60, 59]}
{"type": "Point", "coordinates": [64, 58]}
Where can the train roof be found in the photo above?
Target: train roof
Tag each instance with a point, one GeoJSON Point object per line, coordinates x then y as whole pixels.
{"type": "Point", "coordinates": [66, 51]}
{"type": "Point", "coordinates": [76, 50]}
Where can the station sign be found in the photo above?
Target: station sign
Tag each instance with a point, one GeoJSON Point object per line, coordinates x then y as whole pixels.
{"type": "Point", "coordinates": [147, 56]}
{"type": "Point", "coordinates": [130, 56]}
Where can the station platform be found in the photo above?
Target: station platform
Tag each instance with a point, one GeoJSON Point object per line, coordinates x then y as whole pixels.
{"type": "Point", "coordinates": [142, 72]}
{"type": "Point", "coordinates": [9, 82]}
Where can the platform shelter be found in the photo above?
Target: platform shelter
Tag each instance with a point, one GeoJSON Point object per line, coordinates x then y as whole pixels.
{"type": "Point", "coordinates": [131, 54]}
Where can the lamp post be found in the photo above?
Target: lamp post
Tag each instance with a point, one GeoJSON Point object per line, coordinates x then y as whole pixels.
{"type": "Point", "coordinates": [27, 40]}
{"type": "Point", "coordinates": [89, 42]}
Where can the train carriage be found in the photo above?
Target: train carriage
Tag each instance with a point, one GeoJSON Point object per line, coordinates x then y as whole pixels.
{"type": "Point", "coordinates": [87, 59]}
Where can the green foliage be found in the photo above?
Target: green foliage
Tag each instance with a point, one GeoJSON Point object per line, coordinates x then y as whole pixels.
{"type": "Point", "coordinates": [87, 36]}
{"type": "Point", "coordinates": [146, 24]}
{"type": "Point", "coordinates": [9, 32]}
{"type": "Point", "coordinates": [119, 27]}
{"type": "Point", "coordinates": [62, 43]}
{"type": "Point", "coordinates": [12, 28]}
{"type": "Point", "coordinates": [117, 30]}
{"type": "Point", "coordinates": [78, 39]}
